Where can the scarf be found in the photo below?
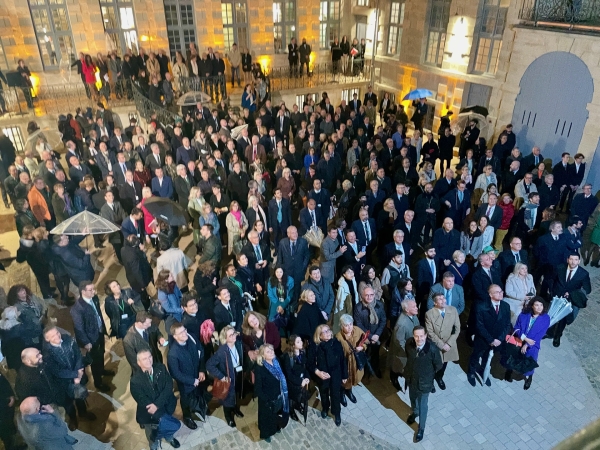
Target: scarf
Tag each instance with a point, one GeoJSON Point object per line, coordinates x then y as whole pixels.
{"type": "Point", "coordinates": [68, 205]}
{"type": "Point", "coordinates": [528, 214]}
{"type": "Point", "coordinates": [373, 318]}
{"type": "Point", "coordinates": [275, 370]}
{"type": "Point", "coordinates": [238, 216]}
{"type": "Point", "coordinates": [261, 214]}
{"type": "Point", "coordinates": [237, 284]}
{"type": "Point", "coordinates": [393, 209]}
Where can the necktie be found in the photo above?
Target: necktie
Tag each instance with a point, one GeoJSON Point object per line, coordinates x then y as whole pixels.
{"type": "Point", "coordinates": [367, 234]}
{"type": "Point", "coordinates": [145, 335]}
{"type": "Point", "coordinates": [123, 168]}
{"type": "Point", "coordinates": [293, 248]}
{"type": "Point", "coordinates": [536, 161]}
{"type": "Point", "coordinates": [570, 274]}
{"type": "Point", "coordinates": [273, 143]}
{"type": "Point", "coordinates": [460, 196]}
{"type": "Point", "coordinates": [279, 214]}
{"type": "Point", "coordinates": [497, 308]}
{"type": "Point", "coordinates": [489, 210]}
{"type": "Point", "coordinates": [556, 238]}
{"type": "Point", "coordinates": [254, 153]}
{"type": "Point", "coordinates": [443, 314]}
{"type": "Point", "coordinates": [517, 258]}
{"type": "Point", "coordinates": [157, 158]}
{"type": "Point", "coordinates": [312, 215]}
{"type": "Point", "coordinates": [489, 274]}
{"type": "Point", "coordinates": [432, 266]}
{"type": "Point", "coordinates": [258, 254]}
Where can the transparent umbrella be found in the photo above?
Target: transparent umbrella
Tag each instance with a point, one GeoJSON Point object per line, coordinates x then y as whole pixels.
{"type": "Point", "coordinates": [49, 139]}
{"type": "Point", "coordinates": [460, 122]}
{"type": "Point", "coordinates": [193, 97]}
{"type": "Point", "coordinates": [237, 131]}
{"type": "Point", "coordinates": [83, 224]}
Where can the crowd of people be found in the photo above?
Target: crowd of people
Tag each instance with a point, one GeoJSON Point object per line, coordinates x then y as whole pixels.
{"type": "Point", "coordinates": [320, 239]}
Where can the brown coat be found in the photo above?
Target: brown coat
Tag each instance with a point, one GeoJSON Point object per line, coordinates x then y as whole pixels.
{"type": "Point", "coordinates": [439, 330]}
{"type": "Point", "coordinates": [354, 376]}
{"type": "Point", "coordinates": [38, 205]}
{"type": "Point", "coordinates": [261, 155]}
{"type": "Point", "coordinates": [287, 187]}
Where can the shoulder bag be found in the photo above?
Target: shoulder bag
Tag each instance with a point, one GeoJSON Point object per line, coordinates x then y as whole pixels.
{"type": "Point", "coordinates": [220, 389]}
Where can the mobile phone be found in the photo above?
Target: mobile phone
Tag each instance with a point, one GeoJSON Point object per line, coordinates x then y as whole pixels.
{"type": "Point", "coordinates": [363, 249]}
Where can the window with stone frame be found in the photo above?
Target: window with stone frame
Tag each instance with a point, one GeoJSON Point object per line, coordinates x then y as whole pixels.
{"type": "Point", "coordinates": [119, 24]}
{"type": "Point", "coordinates": [329, 23]}
{"type": "Point", "coordinates": [395, 23]}
{"type": "Point", "coordinates": [284, 24]}
{"type": "Point", "coordinates": [235, 24]}
{"type": "Point", "coordinates": [53, 32]}
{"type": "Point", "coordinates": [489, 30]}
{"type": "Point", "coordinates": [439, 15]}
{"type": "Point", "coordinates": [179, 15]}
{"type": "Point", "coordinates": [3, 60]}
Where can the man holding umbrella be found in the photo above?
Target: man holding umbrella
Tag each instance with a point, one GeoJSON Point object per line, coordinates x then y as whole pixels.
{"type": "Point", "coordinates": [419, 114]}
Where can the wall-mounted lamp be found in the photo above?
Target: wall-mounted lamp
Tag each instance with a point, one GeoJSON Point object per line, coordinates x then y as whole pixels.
{"type": "Point", "coordinates": [449, 54]}
{"type": "Point", "coordinates": [464, 55]}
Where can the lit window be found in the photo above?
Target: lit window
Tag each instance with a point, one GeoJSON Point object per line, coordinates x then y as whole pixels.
{"type": "Point", "coordinates": [284, 24]}
{"type": "Point", "coordinates": [439, 16]}
{"type": "Point", "coordinates": [53, 32]}
{"type": "Point", "coordinates": [179, 15]}
{"type": "Point", "coordinates": [329, 22]}
{"type": "Point", "coordinates": [395, 28]}
{"type": "Point", "coordinates": [489, 36]}
{"type": "Point", "coordinates": [119, 24]}
{"type": "Point", "coordinates": [235, 24]}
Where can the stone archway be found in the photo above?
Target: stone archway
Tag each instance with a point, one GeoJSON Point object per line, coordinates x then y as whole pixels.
{"type": "Point", "coordinates": [551, 108]}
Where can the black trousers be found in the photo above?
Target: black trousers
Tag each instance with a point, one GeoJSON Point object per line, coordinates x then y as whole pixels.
{"type": "Point", "coordinates": [8, 430]}
{"type": "Point", "coordinates": [72, 407]}
{"type": "Point", "coordinates": [373, 353]}
{"type": "Point", "coordinates": [331, 394]}
{"type": "Point", "coordinates": [62, 283]}
{"type": "Point", "coordinates": [440, 373]}
{"type": "Point", "coordinates": [118, 247]}
{"type": "Point", "coordinates": [97, 355]}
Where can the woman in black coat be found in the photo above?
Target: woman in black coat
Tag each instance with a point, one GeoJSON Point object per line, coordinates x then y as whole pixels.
{"type": "Point", "coordinates": [121, 306]}
{"type": "Point", "coordinates": [329, 368]}
{"type": "Point", "coordinates": [308, 316]}
{"type": "Point", "coordinates": [205, 285]}
{"type": "Point", "coordinates": [24, 216]}
{"type": "Point", "coordinates": [227, 364]}
{"type": "Point", "coordinates": [271, 389]}
{"type": "Point", "coordinates": [296, 372]}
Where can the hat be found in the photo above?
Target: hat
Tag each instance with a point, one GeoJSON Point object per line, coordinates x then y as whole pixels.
{"type": "Point", "coordinates": [488, 249]}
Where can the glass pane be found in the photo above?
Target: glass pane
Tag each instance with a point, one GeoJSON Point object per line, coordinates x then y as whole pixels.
{"type": "Point", "coordinates": [187, 15]}
{"type": "Point", "coordinates": [395, 14]}
{"type": "Point", "coordinates": [290, 12]}
{"type": "Point", "coordinates": [228, 35]}
{"type": "Point", "coordinates": [277, 15]}
{"type": "Point", "coordinates": [497, 45]}
{"type": "Point", "coordinates": [109, 19]}
{"type": "Point", "coordinates": [67, 50]}
{"type": "Point", "coordinates": [324, 43]}
{"type": "Point", "coordinates": [240, 13]}
{"type": "Point", "coordinates": [171, 15]}
{"type": "Point", "coordinates": [57, 2]}
{"type": "Point", "coordinates": [483, 51]}
{"type": "Point", "coordinates": [227, 13]}
{"type": "Point", "coordinates": [114, 37]}
{"type": "Point", "coordinates": [131, 41]}
{"type": "Point", "coordinates": [40, 20]}
{"type": "Point", "coordinates": [60, 20]}
{"type": "Point", "coordinates": [127, 20]}
{"type": "Point", "coordinates": [242, 37]}
{"type": "Point", "coordinates": [440, 49]}
{"type": "Point", "coordinates": [335, 10]}
{"type": "Point", "coordinates": [188, 37]}
{"type": "Point", "coordinates": [290, 32]}
{"type": "Point", "coordinates": [47, 51]}
{"type": "Point", "coordinates": [401, 20]}
{"type": "Point", "coordinates": [323, 13]}
{"type": "Point", "coordinates": [37, 2]}
{"type": "Point", "coordinates": [392, 41]}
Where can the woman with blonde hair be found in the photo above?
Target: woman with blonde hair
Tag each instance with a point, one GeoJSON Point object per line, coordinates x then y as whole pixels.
{"type": "Point", "coordinates": [150, 224]}
{"type": "Point", "coordinates": [271, 389]}
{"type": "Point", "coordinates": [195, 206]}
{"type": "Point", "coordinates": [326, 361]}
{"type": "Point", "coordinates": [209, 217]}
{"type": "Point", "coordinates": [227, 365]}
{"type": "Point", "coordinates": [287, 184]}
{"type": "Point", "coordinates": [350, 336]}
{"type": "Point", "coordinates": [307, 316]}
{"type": "Point", "coordinates": [236, 224]}
{"type": "Point", "coordinates": [256, 331]}
{"type": "Point", "coordinates": [386, 221]}
{"type": "Point", "coordinates": [255, 211]}
{"type": "Point", "coordinates": [427, 172]}
{"type": "Point", "coordinates": [180, 70]}
{"type": "Point", "coordinates": [520, 289]}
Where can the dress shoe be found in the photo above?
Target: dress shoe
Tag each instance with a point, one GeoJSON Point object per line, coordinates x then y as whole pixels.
{"type": "Point", "coordinates": [508, 376]}
{"type": "Point", "coordinates": [102, 387]}
{"type": "Point", "coordinates": [556, 342]}
{"type": "Point", "coordinates": [108, 373]}
{"type": "Point", "coordinates": [528, 381]}
{"type": "Point", "coordinates": [238, 413]}
{"type": "Point", "coordinates": [471, 380]}
{"type": "Point", "coordinates": [293, 415]}
{"type": "Point", "coordinates": [189, 422]}
{"type": "Point", "coordinates": [338, 420]}
{"type": "Point", "coordinates": [231, 423]}
{"type": "Point", "coordinates": [419, 435]}
{"type": "Point", "coordinates": [324, 414]}
{"type": "Point", "coordinates": [350, 395]}
{"type": "Point", "coordinates": [268, 440]}
{"type": "Point", "coordinates": [441, 384]}
{"type": "Point", "coordinates": [88, 416]}
{"type": "Point", "coordinates": [343, 401]}
{"type": "Point", "coordinates": [488, 382]}
{"type": "Point", "coordinates": [73, 423]}
{"type": "Point", "coordinates": [173, 442]}
{"type": "Point", "coordinates": [411, 419]}
{"type": "Point", "coordinates": [433, 389]}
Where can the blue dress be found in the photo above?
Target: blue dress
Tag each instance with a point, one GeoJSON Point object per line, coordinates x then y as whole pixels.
{"type": "Point", "coordinates": [535, 331]}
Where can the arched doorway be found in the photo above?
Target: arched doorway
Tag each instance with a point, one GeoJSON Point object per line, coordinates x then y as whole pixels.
{"type": "Point", "coordinates": [551, 108]}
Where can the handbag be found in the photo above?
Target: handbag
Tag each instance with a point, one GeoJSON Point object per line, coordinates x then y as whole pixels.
{"type": "Point", "coordinates": [156, 309]}
{"type": "Point", "coordinates": [197, 403]}
{"type": "Point", "coordinates": [220, 389]}
{"type": "Point", "coordinates": [276, 404]}
{"type": "Point", "coordinates": [359, 357]}
{"type": "Point", "coordinates": [280, 321]}
{"type": "Point", "coordinates": [512, 339]}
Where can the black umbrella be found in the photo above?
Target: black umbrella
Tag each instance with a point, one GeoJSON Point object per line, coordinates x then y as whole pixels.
{"type": "Point", "coordinates": [304, 396]}
{"type": "Point", "coordinates": [167, 210]}
{"type": "Point", "coordinates": [476, 109]}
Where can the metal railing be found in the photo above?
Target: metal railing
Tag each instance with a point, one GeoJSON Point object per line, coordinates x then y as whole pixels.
{"type": "Point", "coordinates": [282, 78]}
{"type": "Point", "coordinates": [215, 87]}
{"type": "Point", "coordinates": [147, 108]}
{"type": "Point", "coordinates": [574, 14]}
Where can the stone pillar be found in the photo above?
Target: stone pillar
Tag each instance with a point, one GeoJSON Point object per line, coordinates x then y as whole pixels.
{"type": "Point", "coordinates": [209, 25]}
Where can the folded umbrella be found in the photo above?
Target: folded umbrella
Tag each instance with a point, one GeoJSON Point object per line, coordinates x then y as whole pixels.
{"type": "Point", "coordinates": [488, 367]}
{"type": "Point", "coordinates": [559, 309]}
{"type": "Point", "coordinates": [417, 94]}
{"type": "Point", "coordinates": [167, 210]}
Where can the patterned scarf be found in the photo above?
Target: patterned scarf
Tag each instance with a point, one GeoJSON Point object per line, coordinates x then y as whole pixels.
{"type": "Point", "coordinates": [275, 370]}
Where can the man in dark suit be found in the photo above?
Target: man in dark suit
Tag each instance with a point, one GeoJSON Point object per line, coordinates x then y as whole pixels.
{"type": "Point", "coordinates": [573, 283]}
{"type": "Point", "coordinates": [468, 138]}
{"type": "Point", "coordinates": [485, 275]}
{"type": "Point", "coordinates": [154, 160]}
{"type": "Point", "coordinates": [120, 169]}
{"type": "Point", "coordinates": [322, 198]}
{"type": "Point", "coordinates": [509, 258]}
{"type": "Point", "coordinates": [130, 193]}
{"type": "Point", "coordinates": [549, 192]}
{"type": "Point", "coordinates": [353, 256]}
{"type": "Point", "coordinates": [310, 217]}
{"type": "Point", "coordinates": [575, 174]}
{"type": "Point", "coordinates": [583, 205]}
{"type": "Point", "coordinates": [259, 258]}
{"type": "Point", "coordinates": [492, 324]}
{"type": "Point", "coordinates": [531, 161]}
{"type": "Point", "coordinates": [401, 243]}
{"type": "Point", "coordinates": [492, 211]}
{"type": "Point", "coordinates": [77, 170]}
{"type": "Point", "coordinates": [527, 222]}
{"type": "Point", "coordinates": [445, 185]}
{"type": "Point", "coordinates": [162, 186]}
{"type": "Point", "coordinates": [90, 330]}
{"type": "Point", "coordinates": [114, 213]}
{"type": "Point", "coordinates": [137, 268]}
{"type": "Point", "coordinates": [561, 178]}
{"type": "Point", "coordinates": [293, 258]}
{"type": "Point", "coordinates": [143, 148]}
{"type": "Point", "coordinates": [118, 140]}
{"type": "Point", "coordinates": [183, 183]}
{"type": "Point", "coordinates": [446, 241]}
{"type": "Point", "coordinates": [550, 250]}
{"type": "Point", "coordinates": [186, 364]}
{"type": "Point", "coordinates": [366, 231]}
{"type": "Point", "coordinates": [370, 96]}
{"type": "Point", "coordinates": [511, 177]}
{"type": "Point", "coordinates": [280, 217]}
{"type": "Point", "coordinates": [458, 203]}
{"type": "Point", "coordinates": [490, 160]}
{"type": "Point", "coordinates": [134, 224]}
{"type": "Point", "coordinates": [282, 126]}
{"type": "Point", "coordinates": [427, 274]}
{"type": "Point", "coordinates": [227, 311]}
{"type": "Point", "coordinates": [355, 103]}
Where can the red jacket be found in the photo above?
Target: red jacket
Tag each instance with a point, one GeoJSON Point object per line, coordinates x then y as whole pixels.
{"type": "Point", "coordinates": [89, 72]}
{"type": "Point", "coordinates": [508, 211]}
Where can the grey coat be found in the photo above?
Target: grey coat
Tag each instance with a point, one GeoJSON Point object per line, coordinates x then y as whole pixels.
{"type": "Point", "coordinates": [329, 254]}
{"type": "Point", "coordinates": [458, 296]}
{"type": "Point", "coordinates": [402, 332]}
{"type": "Point", "coordinates": [323, 293]}
{"type": "Point", "coordinates": [115, 215]}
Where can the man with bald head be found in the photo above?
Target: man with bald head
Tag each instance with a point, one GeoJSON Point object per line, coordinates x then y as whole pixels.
{"type": "Point", "coordinates": [42, 427]}
{"type": "Point", "coordinates": [293, 258]}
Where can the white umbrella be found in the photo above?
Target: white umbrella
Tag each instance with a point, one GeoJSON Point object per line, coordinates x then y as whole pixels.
{"type": "Point", "coordinates": [460, 122]}
{"type": "Point", "coordinates": [559, 309]}
{"type": "Point", "coordinates": [193, 97]}
{"type": "Point", "coordinates": [83, 224]}
{"type": "Point", "coordinates": [51, 137]}
{"type": "Point", "coordinates": [237, 131]}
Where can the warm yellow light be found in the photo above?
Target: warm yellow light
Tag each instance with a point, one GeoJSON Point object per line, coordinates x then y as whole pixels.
{"type": "Point", "coordinates": [144, 38]}
{"type": "Point", "coordinates": [311, 60]}
{"type": "Point", "coordinates": [35, 84]}
{"type": "Point", "coordinates": [264, 62]}
{"type": "Point", "coordinates": [459, 43]}
{"type": "Point", "coordinates": [98, 82]}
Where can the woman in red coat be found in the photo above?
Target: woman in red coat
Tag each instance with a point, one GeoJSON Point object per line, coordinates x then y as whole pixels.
{"type": "Point", "coordinates": [508, 211]}
{"type": "Point", "coordinates": [88, 68]}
